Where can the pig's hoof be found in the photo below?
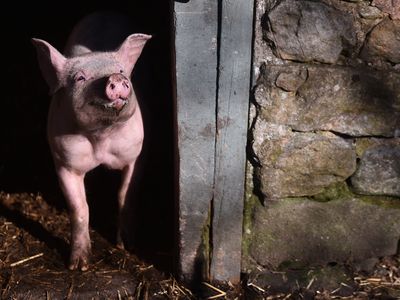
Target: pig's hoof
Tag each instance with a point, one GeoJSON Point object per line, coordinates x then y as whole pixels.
{"type": "Point", "coordinates": [120, 242]}
{"type": "Point", "coordinates": [120, 245]}
{"type": "Point", "coordinates": [79, 262]}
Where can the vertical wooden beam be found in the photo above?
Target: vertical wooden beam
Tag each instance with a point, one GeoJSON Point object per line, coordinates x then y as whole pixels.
{"type": "Point", "coordinates": [236, 29]}
{"type": "Point", "coordinates": [196, 29]}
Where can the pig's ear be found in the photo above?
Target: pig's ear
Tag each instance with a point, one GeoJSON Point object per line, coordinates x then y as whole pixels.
{"type": "Point", "coordinates": [130, 50]}
{"type": "Point", "coordinates": [51, 64]}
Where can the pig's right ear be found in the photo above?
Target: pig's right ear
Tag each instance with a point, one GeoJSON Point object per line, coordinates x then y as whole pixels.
{"type": "Point", "coordinates": [51, 63]}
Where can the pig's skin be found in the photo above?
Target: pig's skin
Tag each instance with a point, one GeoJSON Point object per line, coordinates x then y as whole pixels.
{"type": "Point", "coordinates": [84, 132]}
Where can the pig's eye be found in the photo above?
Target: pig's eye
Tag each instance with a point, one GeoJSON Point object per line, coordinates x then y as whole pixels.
{"type": "Point", "coordinates": [79, 77]}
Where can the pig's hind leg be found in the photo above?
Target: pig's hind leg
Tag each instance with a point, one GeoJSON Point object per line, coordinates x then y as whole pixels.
{"type": "Point", "coordinates": [73, 187]}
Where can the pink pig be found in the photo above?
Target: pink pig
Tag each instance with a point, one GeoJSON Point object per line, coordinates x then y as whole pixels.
{"type": "Point", "coordinates": [94, 119]}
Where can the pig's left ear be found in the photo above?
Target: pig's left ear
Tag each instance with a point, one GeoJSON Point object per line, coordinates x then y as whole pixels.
{"type": "Point", "coordinates": [130, 50]}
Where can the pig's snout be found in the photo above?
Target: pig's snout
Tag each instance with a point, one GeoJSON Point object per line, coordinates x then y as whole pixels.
{"type": "Point", "coordinates": [117, 87]}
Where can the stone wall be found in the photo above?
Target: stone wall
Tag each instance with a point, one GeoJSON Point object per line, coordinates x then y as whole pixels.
{"type": "Point", "coordinates": [324, 172]}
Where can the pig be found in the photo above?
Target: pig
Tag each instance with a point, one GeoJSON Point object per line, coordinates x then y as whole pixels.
{"type": "Point", "coordinates": [94, 116]}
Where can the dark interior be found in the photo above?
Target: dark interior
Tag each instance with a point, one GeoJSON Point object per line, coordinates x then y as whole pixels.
{"type": "Point", "coordinates": [25, 162]}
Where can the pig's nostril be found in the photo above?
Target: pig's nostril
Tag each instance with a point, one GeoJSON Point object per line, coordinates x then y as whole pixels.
{"type": "Point", "coordinates": [112, 86]}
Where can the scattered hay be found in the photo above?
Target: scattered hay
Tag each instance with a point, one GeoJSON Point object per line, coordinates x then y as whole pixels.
{"type": "Point", "coordinates": [34, 247]}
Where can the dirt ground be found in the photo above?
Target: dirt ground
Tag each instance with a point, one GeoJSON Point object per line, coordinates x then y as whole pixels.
{"type": "Point", "coordinates": [34, 248]}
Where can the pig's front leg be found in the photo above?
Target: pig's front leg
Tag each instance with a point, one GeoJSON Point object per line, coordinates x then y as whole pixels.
{"type": "Point", "coordinates": [123, 193]}
{"type": "Point", "coordinates": [72, 185]}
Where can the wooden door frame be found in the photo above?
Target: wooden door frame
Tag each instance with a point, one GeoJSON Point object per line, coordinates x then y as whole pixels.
{"type": "Point", "coordinates": [213, 54]}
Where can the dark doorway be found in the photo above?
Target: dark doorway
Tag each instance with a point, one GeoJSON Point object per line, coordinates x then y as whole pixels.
{"type": "Point", "coordinates": [25, 160]}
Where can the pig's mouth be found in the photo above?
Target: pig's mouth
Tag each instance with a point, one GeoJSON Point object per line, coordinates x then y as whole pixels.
{"type": "Point", "coordinates": [116, 105]}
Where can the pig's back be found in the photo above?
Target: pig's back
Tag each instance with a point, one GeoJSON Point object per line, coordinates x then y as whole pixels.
{"type": "Point", "coordinates": [100, 31]}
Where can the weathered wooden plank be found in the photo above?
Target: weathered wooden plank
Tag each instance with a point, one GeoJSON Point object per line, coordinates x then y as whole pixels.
{"type": "Point", "coordinates": [232, 117]}
{"type": "Point", "coordinates": [196, 76]}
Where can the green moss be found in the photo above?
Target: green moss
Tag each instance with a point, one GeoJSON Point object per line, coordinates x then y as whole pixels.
{"type": "Point", "coordinates": [363, 144]}
{"type": "Point", "coordinates": [250, 203]}
{"type": "Point", "coordinates": [334, 192]}
{"type": "Point", "coordinates": [276, 153]}
{"type": "Point", "coordinates": [205, 247]}
{"type": "Point", "coordinates": [382, 201]}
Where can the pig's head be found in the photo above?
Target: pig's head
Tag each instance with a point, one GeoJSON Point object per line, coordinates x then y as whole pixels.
{"type": "Point", "coordinates": [96, 86]}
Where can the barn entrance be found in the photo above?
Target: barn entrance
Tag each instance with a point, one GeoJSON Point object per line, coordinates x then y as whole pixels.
{"type": "Point", "coordinates": [26, 166]}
